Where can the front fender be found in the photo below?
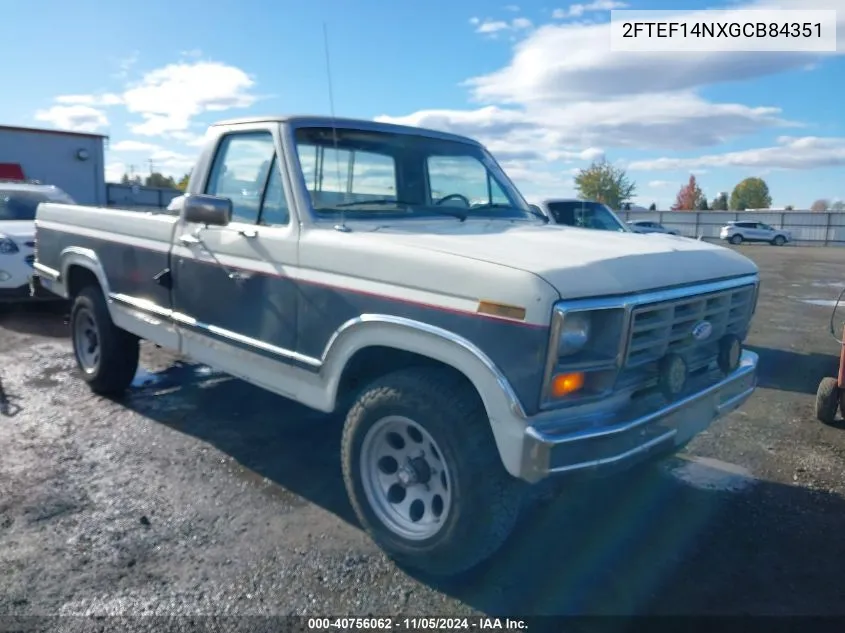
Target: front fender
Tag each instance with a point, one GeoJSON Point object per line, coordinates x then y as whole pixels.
{"type": "Point", "coordinates": [506, 413]}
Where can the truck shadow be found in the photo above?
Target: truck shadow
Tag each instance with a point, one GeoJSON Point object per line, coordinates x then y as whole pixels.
{"type": "Point", "coordinates": [651, 542]}
{"type": "Point", "coordinates": [786, 370]}
{"type": "Point", "coordinates": [47, 318]}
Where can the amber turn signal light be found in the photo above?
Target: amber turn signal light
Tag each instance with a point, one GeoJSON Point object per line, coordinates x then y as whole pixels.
{"type": "Point", "coordinates": [564, 384]}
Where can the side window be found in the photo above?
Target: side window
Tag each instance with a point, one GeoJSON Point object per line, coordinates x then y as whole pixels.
{"type": "Point", "coordinates": [274, 208]}
{"type": "Point", "coordinates": [462, 177]}
{"type": "Point", "coordinates": [240, 170]}
{"type": "Point", "coordinates": [334, 176]}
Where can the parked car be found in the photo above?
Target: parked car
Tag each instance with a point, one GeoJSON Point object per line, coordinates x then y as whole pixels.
{"type": "Point", "coordinates": [18, 201]}
{"type": "Point", "coordinates": [737, 232]}
{"type": "Point", "coordinates": [585, 214]}
{"type": "Point", "coordinates": [476, 351]}
{"type": "Point", "coordinates": [648, 226]}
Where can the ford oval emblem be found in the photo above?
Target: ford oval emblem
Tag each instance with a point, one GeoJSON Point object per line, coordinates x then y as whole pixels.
{"type": "Point", "coordinates": [702, 330]}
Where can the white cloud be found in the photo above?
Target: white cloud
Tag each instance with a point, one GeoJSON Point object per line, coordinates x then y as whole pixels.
{"type": "Point", "coordinates": [172, 163]}
{"type": "Point", "coordinates": [168, 98]}
{"type": "Point", "coordinates": [806, 152]}
{"type": "Point", "coordinates": [577, 10]}
{"type": "Point", "coordinates": [126, 64]}
{"type": "Point", "coordinates": [659, 184]}
{"type": "Point", "coordinates": [564, 96]}
{"type": "Point", "coordinates": [494, 27]}
{"type": "Point", "coordinates": [115, 171]}
{"type": "Point", "coordinates": [568, 62]}
{"type": "Point", "coordinates": [105, 99]}
{"type": "Point", "coordinates": [552, 132]}
{"type": "Point", "coordinates": [133, 146]}
{"type": "Point", "coordinates": [77, 118]}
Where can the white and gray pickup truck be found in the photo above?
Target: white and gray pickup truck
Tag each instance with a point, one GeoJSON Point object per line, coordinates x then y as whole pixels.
{"type": "Point", "coordinates": [396, 275]}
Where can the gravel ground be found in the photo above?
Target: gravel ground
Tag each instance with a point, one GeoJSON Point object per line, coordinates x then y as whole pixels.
{"type": "Point", "coordinates": [200, 494]}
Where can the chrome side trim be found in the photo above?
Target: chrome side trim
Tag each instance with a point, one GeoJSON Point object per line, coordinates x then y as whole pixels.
{"type": "Point", "coordinates": [145, 305]}
{"type": "Point", "coordinates": [514, 402]}
{"type": "Point", "coordinates": [627, 303]}
{"type": "Point", "coordinates": [184, 319]}
{"type": "Point", "coordinates": [46, 271]}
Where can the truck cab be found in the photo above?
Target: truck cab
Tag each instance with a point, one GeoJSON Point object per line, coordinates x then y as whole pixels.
{"type": "Point", "coordinates": [396, 275]}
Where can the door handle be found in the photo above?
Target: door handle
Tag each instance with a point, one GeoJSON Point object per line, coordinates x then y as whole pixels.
{"type": "Point", "coordinates": [249, 234]}
{"type": "Point", "coordinates": [189, 240]}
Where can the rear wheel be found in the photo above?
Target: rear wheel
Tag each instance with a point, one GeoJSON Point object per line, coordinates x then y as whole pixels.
{"type": "Point", "coordinates": [779, 240]}
{"type": "Point", "coordinates": [423, 472]}
{"type": "Point", "coordinates": [827, 400]}
{"type": "Point", "coordinates": [736, 239]}
{"type": "Point", "coordinates": [106, 355]}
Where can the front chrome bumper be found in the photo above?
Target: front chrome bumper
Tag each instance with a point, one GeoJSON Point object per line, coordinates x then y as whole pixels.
{"type": "Point", "coordinates": [623, 441]}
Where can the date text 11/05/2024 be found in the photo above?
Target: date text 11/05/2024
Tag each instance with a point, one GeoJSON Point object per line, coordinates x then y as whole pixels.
{"type": "Point", "coordinates": [722, 29]}
{"type": "Point", "coordinates": [416, 624]}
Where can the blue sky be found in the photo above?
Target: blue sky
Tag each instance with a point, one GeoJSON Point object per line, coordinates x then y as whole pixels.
{"type": "Point", "coordinates": [535, 81]}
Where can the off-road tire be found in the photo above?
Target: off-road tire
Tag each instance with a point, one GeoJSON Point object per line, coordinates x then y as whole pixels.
{"type": "Point", "coordinates": [779, 240]}
{"type": "Point", "coordinates": [827, 400]}
{"type": "Point", "coordinates": [736, 239]}
{"type": "Point", "coordinates": [119, 350]}
{"type": "Point", "coordinates": [486, 499]}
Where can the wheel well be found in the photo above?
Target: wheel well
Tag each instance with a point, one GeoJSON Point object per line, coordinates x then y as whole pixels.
{"type": "Point", "coordinates": [370, 363]}
{"type": "Point", "coordinates": [79, 277]}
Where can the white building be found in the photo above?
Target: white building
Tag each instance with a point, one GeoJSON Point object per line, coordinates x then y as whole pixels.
{"type": "Point", "coordinates": [72, 161]}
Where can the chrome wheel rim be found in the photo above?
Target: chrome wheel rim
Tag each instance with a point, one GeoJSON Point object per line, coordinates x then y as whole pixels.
{"type": "Point", "coordinates": [405, 478]}
{"type": "Point", "coordinates": [86, 340]}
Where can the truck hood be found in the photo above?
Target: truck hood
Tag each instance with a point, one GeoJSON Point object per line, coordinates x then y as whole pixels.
{"type": "Point", "coordinates": [582, 262]}
{"type": "Point", "coordinates": [18, 230]}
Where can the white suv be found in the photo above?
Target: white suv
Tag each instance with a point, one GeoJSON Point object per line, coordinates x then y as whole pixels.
{"type": "Point", "coordinates": [18, 202]}
{"type": "Point", "coordinates": [737, 232]}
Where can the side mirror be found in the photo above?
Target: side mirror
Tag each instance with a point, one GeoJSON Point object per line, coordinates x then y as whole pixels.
{"type": "Point", "coordinates": [205, 209]}
{"type": "Point", "coordinates": [536, 210]}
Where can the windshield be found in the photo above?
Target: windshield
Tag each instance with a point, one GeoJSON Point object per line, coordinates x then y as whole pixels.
{"type": "Point", "coordinates": [21, 205]}
{"type": "Point", "coordinates": [364, 173]}
{"type": "Point", "coordinates": [586, 214]}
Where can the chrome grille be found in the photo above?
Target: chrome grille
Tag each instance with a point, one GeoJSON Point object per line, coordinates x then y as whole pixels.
{"type": "Point", "coordinates": [659, 328]}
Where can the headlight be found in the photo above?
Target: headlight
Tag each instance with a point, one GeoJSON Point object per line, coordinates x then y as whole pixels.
{"type": "Point", "coordinates": [7, 246]}
{"type": "Point", "coordinates": [574, 333]}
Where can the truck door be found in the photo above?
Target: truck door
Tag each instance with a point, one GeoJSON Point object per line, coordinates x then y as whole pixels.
{"type": "Point", "coordinates": [232, 289]}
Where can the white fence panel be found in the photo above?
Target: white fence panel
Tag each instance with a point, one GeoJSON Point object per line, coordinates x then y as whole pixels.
{"type": "Point", "coordinates": [807, 227]}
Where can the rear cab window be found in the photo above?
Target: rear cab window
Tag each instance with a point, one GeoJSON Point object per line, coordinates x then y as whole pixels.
{"type": "Point", "coordinates": [588, 215]}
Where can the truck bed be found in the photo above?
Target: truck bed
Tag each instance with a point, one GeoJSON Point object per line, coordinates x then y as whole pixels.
{"type": "Point", "coordinates": [130, 247]}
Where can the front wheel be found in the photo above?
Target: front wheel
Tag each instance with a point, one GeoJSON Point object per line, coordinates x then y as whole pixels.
{"type": "Point", "coordinates": [736, 239]}
{"type": "Point", "coordinates": [780, 240]}
{"type": "Point", "coordinates": [423, 472]}
{"type": "Point", "coordinates": [106, 355]}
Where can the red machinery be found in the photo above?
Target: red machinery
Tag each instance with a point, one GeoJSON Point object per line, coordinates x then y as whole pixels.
{"type": "Point", "coordinates": [830, 395]}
